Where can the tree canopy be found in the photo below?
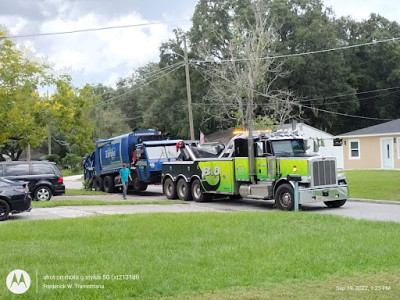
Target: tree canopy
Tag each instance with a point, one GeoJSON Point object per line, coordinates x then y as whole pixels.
{"type": "Point", "coordinates": [26, 112]}
{"type": "Point", "coordinates": [317, 79]}
{"type": "Point", "coordinates": [265, 60]}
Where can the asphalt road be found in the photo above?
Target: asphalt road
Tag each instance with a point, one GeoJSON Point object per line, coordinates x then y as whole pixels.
{"type": "Point", "coordinates": [352, 209]}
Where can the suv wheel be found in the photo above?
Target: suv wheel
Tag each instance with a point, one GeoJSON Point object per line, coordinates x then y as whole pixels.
{"type": "Point", "coordinates": [4, 210]}
{"type": "Point", "coordinates": [43, 193]}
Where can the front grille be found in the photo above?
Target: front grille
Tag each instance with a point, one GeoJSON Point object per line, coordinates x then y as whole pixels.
{"type": "Point", "coordinates": [324, 172]}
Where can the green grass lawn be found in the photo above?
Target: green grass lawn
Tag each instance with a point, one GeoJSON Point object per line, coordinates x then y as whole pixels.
{"type": "Point", "coordinates": [71, 192]}
{"type": "Point", "coordinates": [68, 172]}
{"type": "Point", "coordinates": [55, 203]}
{"type": "Point", "coordinates": [205, 255]}
{"type": "Point", "coordinates": [374, 184]}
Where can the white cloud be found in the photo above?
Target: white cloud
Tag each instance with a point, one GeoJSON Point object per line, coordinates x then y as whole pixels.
{"type": "Point", "coordinates": [101, 52]}
{"type": "Point", "coordinates": [362, 9]}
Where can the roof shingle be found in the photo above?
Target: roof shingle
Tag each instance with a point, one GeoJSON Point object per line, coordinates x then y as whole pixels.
{"type": "Point", "coordinates": [383, 128]}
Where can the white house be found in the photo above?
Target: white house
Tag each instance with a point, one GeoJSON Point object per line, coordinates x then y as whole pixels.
{"type": "Point", "coordinates": [326, 147]}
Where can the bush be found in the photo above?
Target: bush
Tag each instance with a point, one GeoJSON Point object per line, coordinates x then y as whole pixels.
{"type": "Point", "coordinates": [87, 184]}
{"type": "Point", "coordinates": [72, 161]}
{"type": "Point", "coordinates": [54, 158]}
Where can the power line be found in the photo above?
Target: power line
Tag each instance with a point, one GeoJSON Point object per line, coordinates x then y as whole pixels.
{"type": "Point", "coordinates": [177, 66]}
{"type": "Point", "coordinates": [350, 94]}
{"type": "Point", "coordinates": [362, 99]}
{"type": "Point", "coordinates": [149, 75]}
{"type": "Point", "coordinates": [92, 29]}
{"type": "Point", "coordinates": [300, 54]}
{"type": "Point", "coordinates": [306, 106]}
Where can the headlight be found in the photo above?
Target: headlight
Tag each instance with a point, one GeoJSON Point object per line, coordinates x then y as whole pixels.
{"type": "Point", "coordinates": [152, 165]}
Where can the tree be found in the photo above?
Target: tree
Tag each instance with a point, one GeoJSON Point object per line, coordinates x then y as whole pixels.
{"type": "Point", "coordinates": [374, 68]}
{"type": "Point", "coordinates": [21, 109]}
{"type": "Point", "coordinates": [307, 26]}
{"type": "Point", "coordinates": [108, 117]}
{"type": "Point", "coordinates": [243, 83]}
{"type": "Point", "coordinates": [69, 112]}
{"type": "Point", "coordinates": [25, 115]}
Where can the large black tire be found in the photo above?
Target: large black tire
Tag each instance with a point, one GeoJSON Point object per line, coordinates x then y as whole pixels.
{"type": "Point", "coordinates": [138, 186]}
{"type": "Point", "coordinates": [335, 204]}
{"type": "Point", "coordinates": [43, 193]}
{"type": "Point", "coordinates": [4, 210]}
{"type": "Point", "coordinates": [98, 184]}
{"type": "Point", "coordinates": [198, 192]}
{"type": "Point", "coordinates": [169, 189]}
{"type": "Point", "coordinates": [183, 190]}
{"type": "Point", "coordinates": [108, 184]}
{"type": "Point", "coordinates": [284, 197]}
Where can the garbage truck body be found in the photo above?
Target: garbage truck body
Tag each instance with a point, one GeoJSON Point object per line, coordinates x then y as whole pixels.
{"type": "Point", "coordinates": [102, 166]}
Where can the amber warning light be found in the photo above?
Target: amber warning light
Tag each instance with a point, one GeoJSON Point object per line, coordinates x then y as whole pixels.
{"type": "Point", "coordinates": [240, 131]}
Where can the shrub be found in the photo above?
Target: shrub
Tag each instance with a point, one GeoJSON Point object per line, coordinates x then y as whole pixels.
{"type": "Point", "coordinates": [72, 161]}
{"type": "Point", "coordinates": [54, 158]}
{"type": "Point", "coordinates": [87, 184]}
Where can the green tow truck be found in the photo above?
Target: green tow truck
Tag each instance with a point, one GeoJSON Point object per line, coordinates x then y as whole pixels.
{"type": "Point", "coordinates": [258, 166]}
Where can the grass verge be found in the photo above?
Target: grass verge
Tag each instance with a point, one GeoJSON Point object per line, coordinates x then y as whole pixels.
{"type": "Point", "coordinates": [374, 184]}
{"type": "Point", "coordinates": [71, 192]}
{"type": "Point", "coordinates": [242, 254]}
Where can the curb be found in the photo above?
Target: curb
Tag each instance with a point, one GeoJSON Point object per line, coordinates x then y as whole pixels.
{"type": "Point", "coordinates": [375, 201]}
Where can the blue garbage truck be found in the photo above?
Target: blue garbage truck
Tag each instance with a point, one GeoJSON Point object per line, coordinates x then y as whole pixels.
{"type": "Point", "coordinates": [143, 151]}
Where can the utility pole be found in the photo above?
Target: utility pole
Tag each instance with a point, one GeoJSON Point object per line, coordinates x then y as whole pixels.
{"type": "Point", "coordinates": [48, 140]}
{"type": "Point", "coordinates": [28, 152]}
{"type": "Point", "coordinates": [189, 94]}
{"type": "Point", "coordinates": [48, 132]}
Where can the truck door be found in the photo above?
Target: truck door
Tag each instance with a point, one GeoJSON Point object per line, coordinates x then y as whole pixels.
{"type": "Point", "coordinates": [141, 164]}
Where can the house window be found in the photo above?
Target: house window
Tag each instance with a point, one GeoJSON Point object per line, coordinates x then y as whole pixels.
{"type": "Point", "coordinates": [354, 149]}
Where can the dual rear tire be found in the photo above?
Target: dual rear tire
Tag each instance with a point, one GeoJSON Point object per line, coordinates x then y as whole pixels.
{"type": "Point", "coordinates": [185, 190]}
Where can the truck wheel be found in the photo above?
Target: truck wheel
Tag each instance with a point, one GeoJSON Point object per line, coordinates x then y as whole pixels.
{"type": "Point", "coordinates": [143, 186]}
{"type": "Point", "coordinates": [98, 184]}
{"type": "Point", "coordinates": [198, 193]}
{"type": "Point", "coordinates": [108, 184]}
{"type": "Point", "coordinates": [4, 210]}
{"type": "Point", "coordinates": [169, 189]}
{"type": "Point", "coordinates": [137, 184]}
{"type": "Point", "coordinates": [335, 204]}
{"type": "Point", "coordinates": [183, 190]}
{"type": "Point", "coordinates": [284, 197]}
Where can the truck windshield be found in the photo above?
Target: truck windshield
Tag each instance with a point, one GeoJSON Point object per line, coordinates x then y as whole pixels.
{"type": "Point", "coordinates": [288, 148]}
{"type": "Point", "coordinates": [160, 152]}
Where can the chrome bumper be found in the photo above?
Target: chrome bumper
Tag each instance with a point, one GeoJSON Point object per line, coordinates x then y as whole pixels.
{"type": "Point", "coordinates": [340, 192]}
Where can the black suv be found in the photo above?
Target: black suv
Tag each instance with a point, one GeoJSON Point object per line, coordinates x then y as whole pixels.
{"type": "Point", "coordinates": [44, 179]}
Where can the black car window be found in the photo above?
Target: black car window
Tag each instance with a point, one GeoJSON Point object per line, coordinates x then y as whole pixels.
{"type": "Point", "coordinates": [17, 169]}
{"type": "Point", "coordinates": [39, 169]}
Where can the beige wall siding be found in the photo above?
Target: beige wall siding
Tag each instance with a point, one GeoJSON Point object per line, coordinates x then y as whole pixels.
{"type": "Point", "coordinates": [370, 153]}
{"type": "Point", "coordinates": [397, 153]}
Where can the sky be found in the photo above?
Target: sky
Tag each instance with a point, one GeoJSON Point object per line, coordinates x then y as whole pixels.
{"type": "Point", "coordinates": [106, 56]}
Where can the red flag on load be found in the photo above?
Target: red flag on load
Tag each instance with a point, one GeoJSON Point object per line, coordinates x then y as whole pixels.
{"type": "Point", "coordinates": [202, 138]}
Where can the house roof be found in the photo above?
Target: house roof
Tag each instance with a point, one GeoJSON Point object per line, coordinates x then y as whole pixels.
{"type": "Point", "coordinates": [387, 128]}
{"type": "Point", "coordinates": [303, 126]}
